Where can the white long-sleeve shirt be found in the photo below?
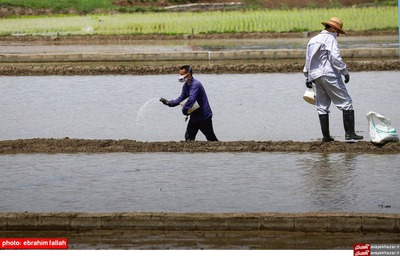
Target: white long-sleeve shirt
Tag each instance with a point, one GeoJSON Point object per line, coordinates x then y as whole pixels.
{"type": "Point", "coordinates": [323, 57]}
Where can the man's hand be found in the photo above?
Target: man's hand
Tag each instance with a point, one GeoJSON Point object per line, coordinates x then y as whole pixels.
{"type": "Point", "coordinates": [346, 78]}
{"type": "Point", "coordinates": [308, 84]}
{"type": "Point", "coordinates": [164, 101]}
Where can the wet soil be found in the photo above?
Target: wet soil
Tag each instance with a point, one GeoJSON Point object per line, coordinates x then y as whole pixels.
{"type": "Point", "coordinates": [210, 239]}
{"type": "Point", "coordinates": [67, 145]}
{"type": "Point", "coordinates": [205, 231]}
{"type": "Point", "coordinates": [167, 67]}
{"type": "Point", "coordinates": [104, 39]}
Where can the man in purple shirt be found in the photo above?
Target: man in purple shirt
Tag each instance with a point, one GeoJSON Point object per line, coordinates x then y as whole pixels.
{"type": "Point", "coordinates": [193, 92]}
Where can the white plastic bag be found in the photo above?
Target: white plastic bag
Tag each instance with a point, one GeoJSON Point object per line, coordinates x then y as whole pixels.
{"type": "Point", "coordinates": [193, 108]}
{"type": "Point", "coordinates": [381, 129]}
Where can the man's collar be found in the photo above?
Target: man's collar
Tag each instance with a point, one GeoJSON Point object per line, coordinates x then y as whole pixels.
{"type": "Point", "coordinates": [189, 81]}
{"type": "Point", "coordinates": [329, 33]}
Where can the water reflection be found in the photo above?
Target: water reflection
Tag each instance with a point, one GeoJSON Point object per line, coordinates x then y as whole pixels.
{"type": "Point", "coordinates": [328, 177]}
{"type": "Point", "coordinates": [200, 182]}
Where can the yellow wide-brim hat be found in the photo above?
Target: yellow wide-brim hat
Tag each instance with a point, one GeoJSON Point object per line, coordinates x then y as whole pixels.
{"type": "Point", "coordinates": [336, 23]}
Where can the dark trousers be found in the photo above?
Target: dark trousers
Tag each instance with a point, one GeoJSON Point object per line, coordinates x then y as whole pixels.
{"type": "Point", "coordinates": [205, 127]}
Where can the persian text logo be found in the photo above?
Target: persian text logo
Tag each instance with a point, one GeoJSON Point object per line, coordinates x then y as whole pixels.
{"type": "Point", "coordinates": [362, 249]}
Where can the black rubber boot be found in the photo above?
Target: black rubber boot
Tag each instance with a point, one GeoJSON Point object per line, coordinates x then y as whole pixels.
{"type": "Point", "coordinates": [324, 121]}
{"type": "Point", "coordinates": [348, 122]}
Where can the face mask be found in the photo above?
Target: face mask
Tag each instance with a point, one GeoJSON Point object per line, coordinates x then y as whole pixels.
{"type": "Point", "coordinates": [335, 34]}
{"type": "Point", "coordinates": [182, 78]}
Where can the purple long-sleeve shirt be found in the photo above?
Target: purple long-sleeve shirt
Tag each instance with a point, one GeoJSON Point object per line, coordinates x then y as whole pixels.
{"type": "Point", "coordinates": [194, 91]}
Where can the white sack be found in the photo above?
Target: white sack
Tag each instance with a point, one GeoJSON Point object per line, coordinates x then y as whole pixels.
{"type": "Point", "coordinates": [381, 129]}
{"type": "Point", "coordinates": [193, 108]}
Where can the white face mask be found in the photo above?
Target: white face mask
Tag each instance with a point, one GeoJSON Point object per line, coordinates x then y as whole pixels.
{"type": "Point", "coordinates": [335, 34]}
{"type": "Point", "coordinates": [182, 78]}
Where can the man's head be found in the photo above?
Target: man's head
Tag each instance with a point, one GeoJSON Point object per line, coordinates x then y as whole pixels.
{"type": "Point", "coordinates": [186, 69]}
{"type": "Point", "coordinates": [185, 73]}
{"type": "Point", "coordinates": [334, 25]}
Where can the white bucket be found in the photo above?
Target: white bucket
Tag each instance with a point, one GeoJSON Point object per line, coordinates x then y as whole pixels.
{"type": "Point", "coordinates": [309, 95]}
{"type": "Point", "coordinates": [193, 108]}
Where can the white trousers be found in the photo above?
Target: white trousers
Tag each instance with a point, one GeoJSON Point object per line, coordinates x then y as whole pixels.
{"type": "Point", "coordinates": [331, 89]}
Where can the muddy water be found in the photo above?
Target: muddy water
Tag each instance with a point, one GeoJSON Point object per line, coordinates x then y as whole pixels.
{"type": "Point", "coordinates": [245, 106]}
{"type": "Point", "coordinates": [200, 182]}
{"type": "Point", "coordinates": [130, 46]}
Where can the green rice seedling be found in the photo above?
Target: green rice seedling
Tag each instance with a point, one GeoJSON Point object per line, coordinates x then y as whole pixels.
{"type": "Point", "coordinates": [356, 19]}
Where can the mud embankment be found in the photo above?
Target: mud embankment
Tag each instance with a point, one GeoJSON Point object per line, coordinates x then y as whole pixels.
{"type": "Point", "coordinates": [237, 62]}
{"type": "Point", "coordinates": [124, 38]}
{"type": "Point", "coordinates": [67, 145]}
{"type": "Point", "coordinates": [125, 68]}
{"type": "Point", "coordinates": [206, 230]}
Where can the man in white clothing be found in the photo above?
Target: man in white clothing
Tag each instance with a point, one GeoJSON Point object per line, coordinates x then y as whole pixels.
{"type": "Point", "coordinates": [324, 67]}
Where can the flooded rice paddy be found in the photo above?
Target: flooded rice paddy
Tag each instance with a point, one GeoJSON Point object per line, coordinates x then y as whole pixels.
{"type": "Point", "coordinates": [140, 46]}
{"type": "Point", "coordinates": [200, 182]}
{"type": "Point", "coordinates": [246, 107]}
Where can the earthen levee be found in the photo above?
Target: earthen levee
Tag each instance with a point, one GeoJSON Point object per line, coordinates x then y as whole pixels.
{"type": "Point", "coordinates": [367, 53]}
{"type": "Point", "coordinates": [206, 230]}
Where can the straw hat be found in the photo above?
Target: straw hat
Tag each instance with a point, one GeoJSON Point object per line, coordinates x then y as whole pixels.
{"type": "Point", "coordinates": [336, 23]}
